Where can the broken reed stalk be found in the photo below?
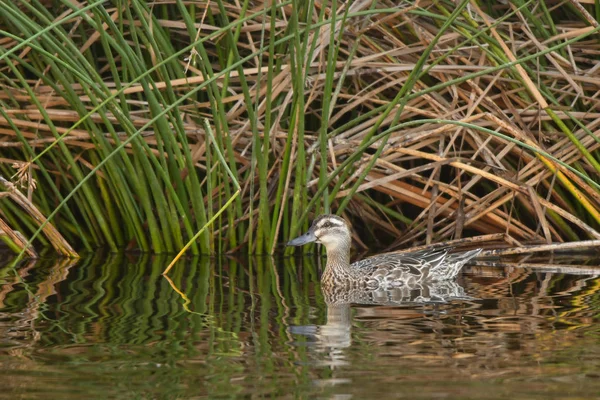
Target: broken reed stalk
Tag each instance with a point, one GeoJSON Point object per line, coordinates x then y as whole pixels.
{"type": "Point", "coordinates": [14, 240]}
{"type": "Point", "coordinates": [475, 241]}
{"type": "Point", "coordinates": [56, 239]}
{"type": "Point", "coordinates": [586, 244]}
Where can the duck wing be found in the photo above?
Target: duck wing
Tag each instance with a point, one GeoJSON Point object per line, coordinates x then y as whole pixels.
{"type": "Point", "coordinates": [392, 270]}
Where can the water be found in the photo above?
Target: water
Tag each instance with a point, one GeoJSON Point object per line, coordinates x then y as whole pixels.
{"type": "Point", "coordinates": [113, 327]}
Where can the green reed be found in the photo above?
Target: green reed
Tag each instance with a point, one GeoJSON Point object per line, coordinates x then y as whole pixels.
{"type": "Point", "coordinates": [122, 158]}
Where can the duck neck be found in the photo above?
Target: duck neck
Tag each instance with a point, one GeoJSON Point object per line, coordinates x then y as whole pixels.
{"type": "Point", "coordinates": [338, 263]}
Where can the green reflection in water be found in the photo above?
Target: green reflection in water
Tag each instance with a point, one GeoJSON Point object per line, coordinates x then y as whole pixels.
{"type": "Point", "coordinates": [110, 326]}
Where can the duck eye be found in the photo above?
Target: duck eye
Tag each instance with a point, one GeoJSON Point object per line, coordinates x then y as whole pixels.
{"type": "Point", "coordinates": [327, 224]}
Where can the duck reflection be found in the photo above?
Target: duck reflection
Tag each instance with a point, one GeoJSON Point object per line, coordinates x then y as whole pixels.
{"type": "Point", "coordinates": [406, 295]}
{"type": "Point", "coordinates": [334, 336]}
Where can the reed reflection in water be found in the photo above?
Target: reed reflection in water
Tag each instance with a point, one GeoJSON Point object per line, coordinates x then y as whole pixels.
{"type": "Point", "coordinates": [112, 326]}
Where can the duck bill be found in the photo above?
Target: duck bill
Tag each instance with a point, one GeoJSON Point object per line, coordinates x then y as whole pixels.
{"type": "Point", "coordinates": [308, 237]}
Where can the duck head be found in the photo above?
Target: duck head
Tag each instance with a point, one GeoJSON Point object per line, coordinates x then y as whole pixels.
{"type": "Point", "coordinates": [330, 230]}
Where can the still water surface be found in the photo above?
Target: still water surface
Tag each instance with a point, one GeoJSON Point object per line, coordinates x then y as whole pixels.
{"type": "Point", "coordinates": [112, 327]}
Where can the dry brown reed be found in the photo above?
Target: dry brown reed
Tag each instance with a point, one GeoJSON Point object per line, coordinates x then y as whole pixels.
{"type": "Point", "coordinates": [470, 159]}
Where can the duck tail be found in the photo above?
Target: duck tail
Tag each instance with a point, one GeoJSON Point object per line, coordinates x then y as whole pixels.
{"type": "Point", "coordinates": [465, 256]}
{"type": "Point", "coordinates": [457, 260]}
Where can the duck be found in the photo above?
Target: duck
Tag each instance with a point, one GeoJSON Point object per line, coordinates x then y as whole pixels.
{"type": "Point", "coordinates": [383, 271]}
